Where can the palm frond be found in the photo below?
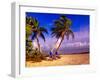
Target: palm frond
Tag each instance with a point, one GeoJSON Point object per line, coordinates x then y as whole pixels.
{"type": "Point", "coordinates": [42, 36]}
{"type": "Point", "coordinates": [69, 22]}
{"type": "Point", "coordinates": [66, 20]}
{"type": "Point", "coordinates": [68, 33]}
{"type": "Point", "coordinates": [58, 23]}
{"type": "Point", "coordinates": [57, 31]}
{"type": "Point", "coordinates": [42, 29]}
{"type": "Point", "coordinates": [34, 34]}
{"type": "Point", "coordinates": [56, 34]}
{"type": "Point", "coordinates": [35, 22]}
{"type": "Point", "coordinates": [63, 18]}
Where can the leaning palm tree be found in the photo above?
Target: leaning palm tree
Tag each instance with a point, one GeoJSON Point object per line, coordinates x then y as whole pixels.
{"type": "Point", "coordinates": [37, 32]}
{"type": "Point", "coordinates": [61, 29]}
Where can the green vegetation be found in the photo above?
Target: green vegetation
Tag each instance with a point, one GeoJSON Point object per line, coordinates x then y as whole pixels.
{"type": "Point", "coordinates": [35, 31]}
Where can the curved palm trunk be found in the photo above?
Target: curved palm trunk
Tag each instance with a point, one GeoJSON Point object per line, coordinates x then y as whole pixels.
{"type": "Point", "coordinates": [51, 51]}
{"type": "Point", "coordinates": [62, 38]}
{"type": "Point", "coordinates": [54, 46]}
{"type": "Point", "coordinates": [59, 44]}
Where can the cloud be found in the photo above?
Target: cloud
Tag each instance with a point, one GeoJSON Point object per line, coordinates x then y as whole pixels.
{"type": "Point", "coordinates": [76, 44]}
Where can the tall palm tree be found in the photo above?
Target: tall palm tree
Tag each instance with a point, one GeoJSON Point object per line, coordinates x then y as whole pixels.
{"type": "Point", "coordinates": [37, 32]}
{"type": "Point", "coordinates": [62, 29]}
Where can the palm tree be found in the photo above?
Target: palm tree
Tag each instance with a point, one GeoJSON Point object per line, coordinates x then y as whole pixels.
{"type": "Point", "coordinates": [62, 29]}
{"type": "Point", "coordinates": [37, 32]}
{"type": "Point", "coordinates": [34, 31]}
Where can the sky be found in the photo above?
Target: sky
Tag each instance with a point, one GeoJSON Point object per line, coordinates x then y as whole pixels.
{"type": "Point", "coordinates": [80, 27]}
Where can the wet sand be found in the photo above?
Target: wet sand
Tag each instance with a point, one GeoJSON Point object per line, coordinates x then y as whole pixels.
{"type": "Point", "coordinates": [70, 59]}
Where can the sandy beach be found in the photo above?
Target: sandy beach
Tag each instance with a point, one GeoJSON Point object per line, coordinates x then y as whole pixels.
{"type": "Point", "coordinates": [70, 59]}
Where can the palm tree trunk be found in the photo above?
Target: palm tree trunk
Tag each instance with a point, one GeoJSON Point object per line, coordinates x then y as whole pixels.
{"type": "Point", "coordinates": [38, 43]}
{"type": "Point", "coordinates": [59, 44]}
{"type": "Point", "coordinates": [62, 38]}
{"type": "Point", "coordinates": [54, 46]}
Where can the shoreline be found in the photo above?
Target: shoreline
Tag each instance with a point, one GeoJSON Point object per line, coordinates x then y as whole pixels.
{"type": "Point", "coordinates": [68, 59]}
